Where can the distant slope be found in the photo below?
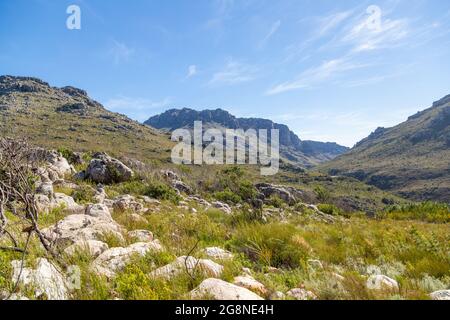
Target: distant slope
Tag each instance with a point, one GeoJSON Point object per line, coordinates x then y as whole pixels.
{"type": "Point", "coordinates": [67, 117]}
{"type": "Point", "coordinates": [306, 153]}
{"type": "Point", "coordinates": [411, 159]}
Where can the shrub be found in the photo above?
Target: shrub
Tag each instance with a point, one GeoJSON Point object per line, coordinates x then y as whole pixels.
{"type": "Point", "coordinates": [425, 211]}
{"type": "Point", "coordinates": [83, 194]}
{"type": "Point", "coordinates": [161, 191]}
{"type": "Point", "coordinates": [323, 195]}
{"type": "Point", "coordinates": [275, 244]}
{"type": "Point", "coordinates": [329, 209]}
{"type": "Point", "coordinates": [227, 196]}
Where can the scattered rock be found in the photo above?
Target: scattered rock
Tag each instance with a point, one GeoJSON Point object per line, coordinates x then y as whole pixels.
{"type": "Point", "coordinates": [440, 295]}
{"type": "Point", "coordinates": [251, 284]}
{"type": "Point", "coordinates": [127, 202]}
{"type": "Point", "coordinates": [105, 169]}
{"type": "Point", "coordinates": [190, 264]}
{"type": "Point", "coordinates": [55, 165]}
{"type": "Point", "coordinates": [221, 290]}
{"type": "Point", "coordinates": [94, 247]}
{"type": "Point", "coordinates": [381, 282]}
{"type": "Point", "coordinates": [99, 210]}
{"type": "Point", "coordinates": [222, 206]}
{"type": "Point", "coordinates": [277, 295]}
{"type": "Point", "coordinates": [46, 281]}
{"type": "Point", "coordinates": [115, 259]}
{"type": "Point", "coordinates": [217, 253]}
{"type": "Point", "coordinates": [301, 294]}
{"type": "Point", "coordinates": [141, 235]}
{"type": "Point", "coordinates": [269, 190]}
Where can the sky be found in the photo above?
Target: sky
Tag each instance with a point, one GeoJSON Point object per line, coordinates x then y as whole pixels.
{"type": "Point", "coordinates": [331, 70]}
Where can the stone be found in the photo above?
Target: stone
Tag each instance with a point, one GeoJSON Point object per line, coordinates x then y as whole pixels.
{"type": "Point", "coordinates": [115, 259]}
{"type": "Point", "coordinates": [99, 210]}
{"type": "Point", "coordinates": [277, 295]}
{"type": "Point", "coordinates": [251, 284]}
{"type": "Point", "coordinates": [105, 169]}
{"type": "Point", "coordinates": [141, 235]}
{"type": "Point", "coordinates": [55, 165]}
{"type": "Point", "coordinates": [221, 290]}
{"type": "Point", "coordinates": [188, 264]}
{"type": "Point", "coordinates": [381, 282]}
{"type": "Point", "coordinates": [68, 203]}
{"type": "Point", "coordinates": [127, 202]}
{"type": "Point", "coordinates": [217, 253]}
{"type": "Point", "coordinates": [45, 280]}
{"type": "Point", "coordinates": [301, 294]}
{"type": "Point", "coordinates": [81, 227]}
{"type": "Point", "coordinates": [222, 206]}
{"type": "Point", "coordinates": [440, 295]}
{"type": "Point", "coordinates": [94, 247]}
{"type": "Point", "coordinates": [269, 190]}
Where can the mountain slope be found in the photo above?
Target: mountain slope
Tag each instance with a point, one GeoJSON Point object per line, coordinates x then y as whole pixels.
{"type": "Point", "coordinates": [411, 159]}
{"type": "Point", "coordinates": [307, 153]}
{"type": "Point", "coordinates": [67, 117]}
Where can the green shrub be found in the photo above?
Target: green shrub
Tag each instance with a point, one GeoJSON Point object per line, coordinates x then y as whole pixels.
{"type": "Point", "coordinates": [322, 194]}
{"type": "Point", "coordinates": [161, 191]}
{"type": "Point", "coordinates": [425, 211]}
{"type": "Point", "coordinates": [329, 209]}
{"type": "Point", "coordinates": [84, 194]}
{"type": "Point", "coordinates": [227, 196]}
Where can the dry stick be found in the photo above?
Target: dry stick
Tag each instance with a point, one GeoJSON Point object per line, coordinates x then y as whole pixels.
{"type": "Point", "coordinates": [196, 264]}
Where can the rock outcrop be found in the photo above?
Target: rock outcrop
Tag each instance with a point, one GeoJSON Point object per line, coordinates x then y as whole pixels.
{"type": "Point", "coordinates": [220, 290]}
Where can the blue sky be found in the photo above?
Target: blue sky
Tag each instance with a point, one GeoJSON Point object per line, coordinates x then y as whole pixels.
{"type": "Point", "coordinates": [317, 66]}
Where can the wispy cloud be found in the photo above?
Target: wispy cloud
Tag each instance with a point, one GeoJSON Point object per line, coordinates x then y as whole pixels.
{"type": "Point", "coordinates": [192, 71]}
{"type": "Point", "coordinates": [121, 52]}
{"type": "Point", "coordinates": [316, 75]}
{"type": "Point", "coordinates": [274, 28]}
{"type": "Point", "coordinates": [233, 73]}
{"type": "Point", "coordinates": [331, 22]}
{"type": "Point", "coordinates": [137, 108]}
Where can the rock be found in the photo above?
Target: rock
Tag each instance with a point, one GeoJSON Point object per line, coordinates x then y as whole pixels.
{"type": "Point", "coordinates": [81, 227]}
{"type": "Point", "coordinates": [69, 204]}
{"type": "Point", "coordinates": [222, 206]}
{"type": "Point", "coordinates": [221, 290]}
{"type": "Point", "coordinates": [141, 235]}
{"type": "Point", "coordinates": [247, 271]}
{"type": "Point", "coordinates": [269, 190]}
{"type": "Point", "coordinates": [181, 186]}
{"type": "Point", "coordinates": [199, 201]}
{"type": "Point", "coordinates": [251, 284]}
{"type": "Point", "coordinates": [99, 210]}
{"type": "Point", "coordinates": [100, 194]}
{"type": "Point", "coordinates": [149, 200]}
{"type": "Point", "coordinates": [45, 188]}
{"type": "Point", "coordinates": [45, 280]}
{"type": "Point", "coordinates": [115, 259]}
{"type": "Point", "coordinates": [381, 282]}
{"type": "Point", "coordinates": [277, 295]}
{"type": "Point", "coordinates": [94, 247]}
{"type": "Point", "coordinates": [55, 165]}
{"type": "Point", "coordinates": [301, 294]}
{"type": "Point", "coordinates": [190, 264]}
{"type": "Point", "coordinates": [127, 202]}
{"type": "Point", "coordinates": [217, 253]}
{"type": "Point", "coordinates": [440, 295]}
{"type": "Point", "coordinates": [106, 170]}
{"type": "Point", "coordinates": [170, 175]}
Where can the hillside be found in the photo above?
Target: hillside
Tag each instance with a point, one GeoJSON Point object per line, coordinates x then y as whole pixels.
{"type": "Point", "coordinates": [305, 153]}
{"type": "Point", "coordinates": [411, 159]}
{"type": "Point", "coordinates": [67, 117]}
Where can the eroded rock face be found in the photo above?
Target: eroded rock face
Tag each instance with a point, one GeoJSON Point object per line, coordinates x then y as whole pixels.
{"type": "Point", "coordinates": [127, 202]}
{"type": "Point", "coordinates": [45, 203]}
{"type": "Point", "coordinates": [105, 169]}
{"type": "Point", "coordinates": [440, 295]}
{"type": "Point", "coordinates": [46, 281]}
{"type": "Point", "coordinates": [115, 259]}
{"type": "Point", "coordinates": [55, 166]}
{"type": "Point", "coordinates": [188, 264]}
{"type": "Point", "coordinates": [220, 290]}
{"type": "Point", "coordinates": [381, 282]}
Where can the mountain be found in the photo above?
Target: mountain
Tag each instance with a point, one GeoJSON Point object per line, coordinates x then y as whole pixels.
{"type": "Point", "coordinates": [412, 159]}
{"type": "Point", "coordinates": [67, 117]}
{"type": "Point", "coordinates": [306, 153]}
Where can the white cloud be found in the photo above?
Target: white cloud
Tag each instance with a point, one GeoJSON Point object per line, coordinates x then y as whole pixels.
{"type": "Point", "coordinates": [136, 108]}
{"type": "Point", "coordinates": [120, 52]}
{"type": "Point", "coordinates": [192, 71]}
{"type": "Point", "coordinates": [233, 73]}
{"type": "Point", "coordinates": [317, 75]}
{"type": "Point", "coordinates": [275, 26]}
{"type": "Point", "coordinates": [332, 21]}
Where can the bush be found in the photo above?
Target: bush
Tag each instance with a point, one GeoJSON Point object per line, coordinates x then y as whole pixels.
{"type": "Point", "coordinates": [329, 209]}
{"type": "Point", "coordinates": [83, 194]}
{"type": "Point", "coordinates": [323, 195]}
{"type": "Point", "coordinates": [161, 191]}
{"type": "Point", "coordinates": [426, 211]}
{"type": "Point", "coordinates": [276, 244]}
{"type": "Point", "coordinates": [228, 196]}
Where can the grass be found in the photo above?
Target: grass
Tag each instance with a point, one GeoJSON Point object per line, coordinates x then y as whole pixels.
{"type": "Point", "coordinates": [426, 211]}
